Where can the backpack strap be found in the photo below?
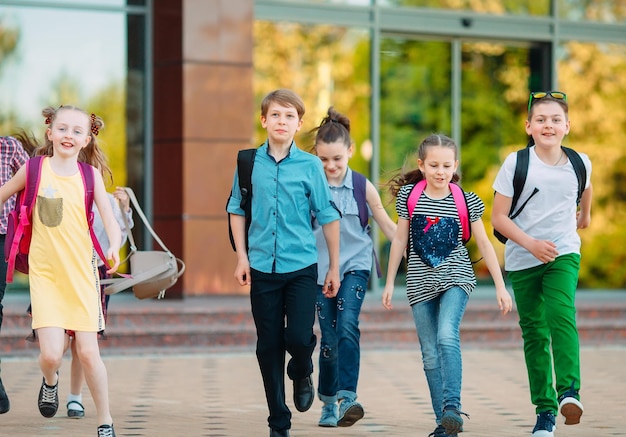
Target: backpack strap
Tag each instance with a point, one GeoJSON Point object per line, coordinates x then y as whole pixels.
{"type": "Point", "coordinates": [26, 201]}
{"type": "Point", "coordinates": [359, 183]}
{"type": "Point", "coordinates": [461, 206]}
{"type": "Point", "coordinates": [579, 169]}
{"type": "Point", "coordinates": [459, 201]}
{"type": "Point", "coordinates": [245, 164]}
{"type": "Point", "coordinates": [414, 196]}
{"type": "Point", "coordinates": [86, 172]}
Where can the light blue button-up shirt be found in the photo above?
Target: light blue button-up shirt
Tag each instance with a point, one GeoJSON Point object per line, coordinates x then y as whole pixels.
{"type": "Point", "coordinates": [284, 194]}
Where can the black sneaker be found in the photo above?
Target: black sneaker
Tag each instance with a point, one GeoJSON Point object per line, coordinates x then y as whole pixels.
{"type": "Point", "coordinates": [106, 431]}
{"type": "Point", "coordinates": [440, 431]}
{"type": "Point", "coordinates": [48, 399]}
{"type": "Point", "coordinates": [546, 424]}
{"type": "Point", "coordinates": [5, 405]}
{"type": "Point", "coordinates": [570, 407]}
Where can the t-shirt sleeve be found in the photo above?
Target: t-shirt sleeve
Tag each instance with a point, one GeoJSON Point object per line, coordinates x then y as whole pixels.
{"type": "Point", "coordinates": [401, 207]}
{"type": "Point", "coordinates": [475, 205]}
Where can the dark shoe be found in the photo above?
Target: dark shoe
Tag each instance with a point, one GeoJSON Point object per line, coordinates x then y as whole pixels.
{"type": "Point", "coordinates": [5, 405]}
{"type": "Point", "coordinates": [303, 393]}
{"type": "Point", "coordinates": [546, 424]}
{"type": "Point", "coordinates": [570, 407]}
{"type": "Point", "coordinates": [106, 431]}
{"type": "Point", "coordinates": [75, 410]}
{"type": "Point", "coordinates": [452, 421]}
{"type": "Point", "coordinates": [275, 433]}
{"type": "Point", "coordinates": [349, 412]}
{"type": "Point", "coordinates": [440, 431]}
{"type": "Point", "coordinates": [48, 399]}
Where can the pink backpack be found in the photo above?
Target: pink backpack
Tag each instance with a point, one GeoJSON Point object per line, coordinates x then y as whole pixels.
{"type": "Point", "coordinates": [19, 226]}
{"type": "Point", "coordinates": [459, 200]}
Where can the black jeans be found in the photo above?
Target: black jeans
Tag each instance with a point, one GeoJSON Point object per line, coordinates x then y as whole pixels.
{"type": "Point", "coordinates": [3, 275]}
{"type": "Point", "coordinates": [283, 307]}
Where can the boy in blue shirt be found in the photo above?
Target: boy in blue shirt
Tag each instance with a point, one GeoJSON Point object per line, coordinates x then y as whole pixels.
{"type": "Point", "coordinates": [281, 262]}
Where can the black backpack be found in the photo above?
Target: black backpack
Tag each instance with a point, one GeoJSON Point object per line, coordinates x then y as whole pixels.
{"type": "Point", "coordinates": [245, 163]}
{"type": "Point", "coordinates": [519, 179]}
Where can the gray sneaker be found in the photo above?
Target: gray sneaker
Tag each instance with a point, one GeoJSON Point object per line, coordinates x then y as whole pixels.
{"type": "Point", "coordinates": [329, 416]}
{"type": "Point", "coordinates": [350, 412]}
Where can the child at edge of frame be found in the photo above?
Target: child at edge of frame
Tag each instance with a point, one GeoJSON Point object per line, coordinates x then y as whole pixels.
{"type": "Point", "coordinates": [542, 258]}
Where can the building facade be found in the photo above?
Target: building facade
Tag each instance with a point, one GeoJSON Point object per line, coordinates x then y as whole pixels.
{"type": "Point", "coordinates": [179, 83]}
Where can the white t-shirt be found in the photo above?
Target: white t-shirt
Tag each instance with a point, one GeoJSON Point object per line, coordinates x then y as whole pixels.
{"type": "Point", "coordinates": [550, 214]}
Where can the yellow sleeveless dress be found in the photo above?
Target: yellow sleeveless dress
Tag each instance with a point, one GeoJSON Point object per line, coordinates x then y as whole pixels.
{"type": "Point", "coordinates": [63, 272]}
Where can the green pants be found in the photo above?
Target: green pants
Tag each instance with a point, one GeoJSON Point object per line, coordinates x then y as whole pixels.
{"type": "Point", "coordinates": [545, 297]}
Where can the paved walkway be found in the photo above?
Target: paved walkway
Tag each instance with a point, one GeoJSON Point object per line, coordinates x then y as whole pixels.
{"type": "Point", "coordinates": [222, 395]}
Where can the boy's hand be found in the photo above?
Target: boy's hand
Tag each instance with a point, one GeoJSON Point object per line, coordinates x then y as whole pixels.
{"type": "Point", "coordinates": [331, 284]}
{"type": "Point", "coordinates": [113, 255]}
{"type": "Point", "coordinates": [242, 272]}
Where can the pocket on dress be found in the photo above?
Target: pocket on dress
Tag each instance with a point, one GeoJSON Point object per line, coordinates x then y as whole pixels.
{"type": "Point", "coordinates": [50, 211]}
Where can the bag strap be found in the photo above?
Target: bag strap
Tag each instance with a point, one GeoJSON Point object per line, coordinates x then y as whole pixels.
{"type": "Point", "coordinates": [459, 200]}
{"type": "Point", "coordinates": [86, 172]}
{"type": "Point", "coordinates": [127, 281]}
{"type": "Point", "coordinates": [144, 219]}
{"type": "Point", "coordinates": [245, 164]}
{"type": "Point", "coordinates": [26, 201]}
{"type": "Point", "coordinates": [359, 184]}
{"type": "Point", "coordinates": [461, 206]}
{"type": "Point", "coordinates": [579, 169]}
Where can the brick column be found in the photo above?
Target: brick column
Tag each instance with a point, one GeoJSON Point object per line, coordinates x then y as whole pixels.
{"type": "Point", "coordinates": [203, 113]}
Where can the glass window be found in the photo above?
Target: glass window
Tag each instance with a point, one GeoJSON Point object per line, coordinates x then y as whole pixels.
{"type": "Point", "coordinates": [61, 56]}
{"type": "Point", "coordinates": [606, 11]}
{"type": "Point", "coordinates": [513, 7]}
{"type": "Point", "coordinates": [326, 66]}
{"type": "Point", "coordinates": [592, 75]}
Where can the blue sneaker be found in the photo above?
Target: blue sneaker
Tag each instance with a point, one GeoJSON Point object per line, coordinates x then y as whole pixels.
{"type": "Point", "coordinates": [329, 416]}
{"type": "Point", "coordinates": [570, 407]}
{"type": "Point", "coordinates": [546, 424]}
{"type": "Point", "coordinates": [452, 421]}
{"type": "Point", "coordinates": [350, 412]}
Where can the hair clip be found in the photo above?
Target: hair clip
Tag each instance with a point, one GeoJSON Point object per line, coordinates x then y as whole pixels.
{"type": "Point", "coordinates": [48, 119]}
{"type": "Point", "coordinates": [94, 128]}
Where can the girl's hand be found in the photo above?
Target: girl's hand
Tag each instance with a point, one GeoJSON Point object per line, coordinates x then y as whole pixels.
{"type": "Point", "coordinates": [387, 295]}
{"type": "Point", "coordinates": [114, 256]}
{"type": "Point", "coordinates": [505, 302]}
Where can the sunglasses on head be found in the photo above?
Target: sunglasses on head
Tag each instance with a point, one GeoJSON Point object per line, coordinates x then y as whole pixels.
{"type": "Point", "coordinates": [541, 94]}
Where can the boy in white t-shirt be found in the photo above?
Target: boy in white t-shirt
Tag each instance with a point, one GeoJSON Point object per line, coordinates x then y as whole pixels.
{"type": "Point", "coordinates": [542, 259]}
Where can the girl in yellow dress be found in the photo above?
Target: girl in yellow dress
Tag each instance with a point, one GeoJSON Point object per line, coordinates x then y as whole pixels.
{"type": "Point", "coordinates": [63, 270]}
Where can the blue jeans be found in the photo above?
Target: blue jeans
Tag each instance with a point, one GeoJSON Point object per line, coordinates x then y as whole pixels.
{"type": "Point", "coordinates": [438, 324]}
{"type": "Point", "coordinates": [340, 351]}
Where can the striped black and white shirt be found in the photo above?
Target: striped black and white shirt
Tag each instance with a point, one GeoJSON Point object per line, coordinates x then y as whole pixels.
{"type": "Point", "coordinates": [438, 260]}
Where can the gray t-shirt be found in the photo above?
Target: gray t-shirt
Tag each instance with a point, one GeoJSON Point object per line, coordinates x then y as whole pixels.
{"type": "Point", "coordinates": [355, 244]}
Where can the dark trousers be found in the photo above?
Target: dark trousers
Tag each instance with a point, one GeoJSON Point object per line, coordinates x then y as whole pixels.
{"type": "Point", "coordinates": [3, 275]}
{"type": "Point", "coordinates": [283, 308]}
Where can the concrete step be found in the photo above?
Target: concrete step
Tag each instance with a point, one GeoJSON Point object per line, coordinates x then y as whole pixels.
{"type": "Point", "coordinates": [225, 323]}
